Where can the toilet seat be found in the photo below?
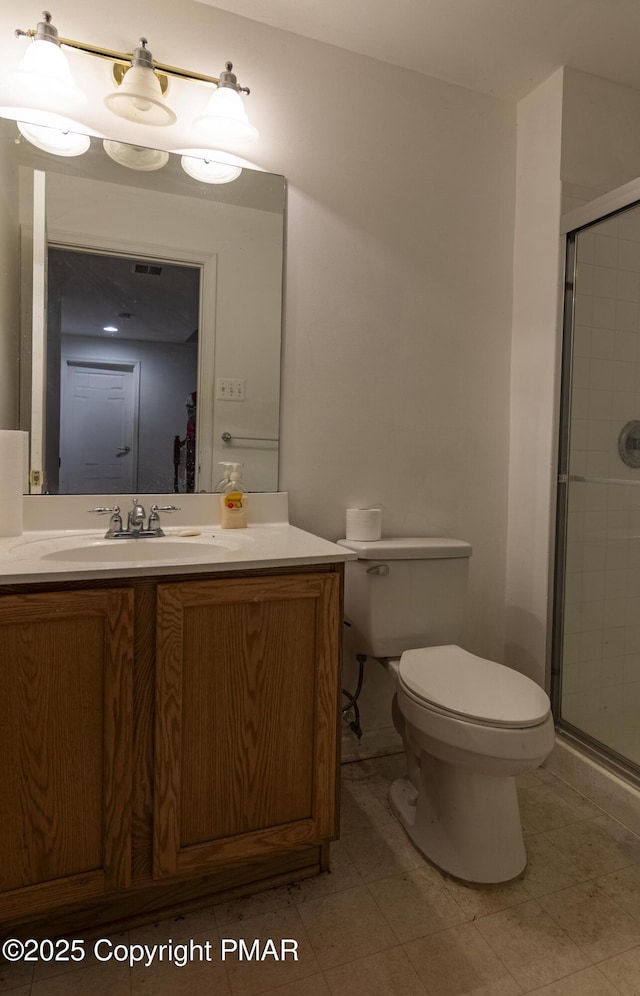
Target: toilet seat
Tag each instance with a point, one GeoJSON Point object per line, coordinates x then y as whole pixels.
{"type": "Point", "coordinates": [451, 681]}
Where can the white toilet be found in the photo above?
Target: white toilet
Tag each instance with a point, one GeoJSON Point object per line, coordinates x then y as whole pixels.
{"type": "Point", "coordinates": [469, 725]}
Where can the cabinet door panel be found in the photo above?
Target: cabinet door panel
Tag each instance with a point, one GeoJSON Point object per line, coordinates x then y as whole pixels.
{"type": "Point", "coordinates": [245, 717]}
{"type": "Point", "coordinates": [244, 720]}
{"type": "Point", "coordinates": [65, 739]}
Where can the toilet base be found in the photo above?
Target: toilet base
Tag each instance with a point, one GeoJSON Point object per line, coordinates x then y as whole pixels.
{"type": "Point", "coordinates": [466, 823]}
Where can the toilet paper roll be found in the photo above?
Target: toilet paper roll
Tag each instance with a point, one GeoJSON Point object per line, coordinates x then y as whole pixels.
{"type": "Point", "coordinates": [12, 446]}
{"type": "Point", "coordinates": [364, 524]}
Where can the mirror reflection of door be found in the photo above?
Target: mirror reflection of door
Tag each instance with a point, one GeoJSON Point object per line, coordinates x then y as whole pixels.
{"type": "Point", "coordinates": [99, 427]}
{"type": "Point", "coordinates": [124, 363]}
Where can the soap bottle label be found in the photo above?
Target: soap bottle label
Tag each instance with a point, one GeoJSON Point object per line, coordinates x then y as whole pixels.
{"type": "Point", "coordinates": [233, 513]}
{"type": "Point", "coordinates": [233, 500]}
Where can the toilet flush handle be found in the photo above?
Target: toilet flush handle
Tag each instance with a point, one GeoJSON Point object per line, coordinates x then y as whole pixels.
{"type": "Point", "coordinates": [380, 570]}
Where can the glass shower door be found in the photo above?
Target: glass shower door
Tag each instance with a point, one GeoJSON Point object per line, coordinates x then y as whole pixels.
{"type": "Point", "coordinates": [597, 637]}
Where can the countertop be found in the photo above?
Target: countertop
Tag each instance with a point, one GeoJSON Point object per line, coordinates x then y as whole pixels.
{"type": "Point", "coordinates": [27, 558]}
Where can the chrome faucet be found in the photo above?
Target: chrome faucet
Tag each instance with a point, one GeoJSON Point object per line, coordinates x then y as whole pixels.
{"type": "Point", "coordinates": [135, 518]}
{"type": "Point", "coordinates": [135, 521]}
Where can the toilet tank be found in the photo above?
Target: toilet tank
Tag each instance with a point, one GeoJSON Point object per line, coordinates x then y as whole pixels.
{"type": "Point", "coordinates": [404, 593]}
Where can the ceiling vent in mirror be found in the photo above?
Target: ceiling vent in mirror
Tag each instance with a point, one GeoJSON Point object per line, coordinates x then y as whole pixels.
{"type": "Point", "coordinates": [150, 269]}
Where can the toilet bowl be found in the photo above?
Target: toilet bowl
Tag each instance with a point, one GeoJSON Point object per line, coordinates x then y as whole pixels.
{"type": "Point", "coordinates": [469, 726]}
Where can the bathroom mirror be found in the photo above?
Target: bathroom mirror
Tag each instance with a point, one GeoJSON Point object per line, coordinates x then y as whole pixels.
{"type": "Point", "coordinates": [151, 309]}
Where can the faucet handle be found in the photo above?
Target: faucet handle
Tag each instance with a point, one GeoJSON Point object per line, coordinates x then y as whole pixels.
{"type": "Point", "coordinates": [115, 522]}
{"type": "Point", "coordinates": [154, 517]}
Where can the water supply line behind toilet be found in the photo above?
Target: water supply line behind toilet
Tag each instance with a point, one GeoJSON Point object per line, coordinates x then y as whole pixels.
{"type": "Point", "coordinates": [352, 703]}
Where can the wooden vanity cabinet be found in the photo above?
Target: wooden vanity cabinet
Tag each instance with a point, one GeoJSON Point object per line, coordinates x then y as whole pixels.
{"type": "Point", "coordinates": [65, 747]}
{"type": "Point", "coordinates": [165, 738]}
{"type": "Point", "coordinates": [245, 744]}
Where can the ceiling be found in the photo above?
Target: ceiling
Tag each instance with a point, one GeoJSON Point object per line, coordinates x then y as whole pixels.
{"type": "Point", "coordinates": [502, 47]}
{"type": "Point", "coordinates": [138, 299]}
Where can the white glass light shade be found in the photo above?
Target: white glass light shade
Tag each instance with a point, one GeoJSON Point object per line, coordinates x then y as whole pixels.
{"type": "Point", "coordinates": [225, 119]}
{"type": "Point", "coordinates": [209, 171]}
{"type": "Point", "coordinates": [58, 143]}
{"type": "Point", "coordinates": [135, 156]}
{"type": "Point", "coordinates": [42, 90]}
{"type": "Point", "coordinates": [139, 98]}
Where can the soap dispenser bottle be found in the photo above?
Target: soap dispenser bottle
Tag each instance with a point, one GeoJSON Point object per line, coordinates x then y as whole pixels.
{"type": "Point", "coordinates": [233, 502]}
{"type": "Point", "coordinates": [226, 476]}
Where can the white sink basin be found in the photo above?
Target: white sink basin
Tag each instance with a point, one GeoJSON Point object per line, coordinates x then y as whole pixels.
{"type": "Point", "coordinates": [97, 550]}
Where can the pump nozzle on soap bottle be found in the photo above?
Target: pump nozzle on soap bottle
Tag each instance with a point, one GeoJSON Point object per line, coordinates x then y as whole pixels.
{"type": "Point", "coordinates": [233, 502]}
{"type": "Point", "coordinates": [234, 477]}
{"type": "Point", "coordinates": [226, 475]}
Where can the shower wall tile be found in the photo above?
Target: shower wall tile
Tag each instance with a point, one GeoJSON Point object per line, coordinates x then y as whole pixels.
{"type": "Point", "coordinates": [604, 281]}
{"type": "Point", "coordinates": [628, 256]}
{"type": "Point", "coordinates": [599, 403]}
{"type": "Point", "coordinates": [631, 669]}
{"type": "Point", "coordinates": [626, 315]}
{"type": "Point", "coordinates": [597, 463]}
{"type": "Point", "coordinates": [606, 252]}
{"type": "Point", "coordinates": [603, 344]}
{"type": "Point", "coordinates": [582, 337]}
{"type": "Point", "coordinates": [591, 616]}
{"type": "Point", "coordinates": [629, 225]}
{"type": "Point", "coordinates": [613, 643]}
{"type": "Point", "coordinates": [628, 285]}
{"type": "Point", "coordinates": [613, 671]}
{"type": "Point", "coordinates": [625, 346]}
{"type": "Point", "coordinates": [615, 612]}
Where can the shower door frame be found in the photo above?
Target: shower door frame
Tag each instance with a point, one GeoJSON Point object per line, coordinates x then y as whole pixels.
{"type": "Point", "coordinates": [571, 224]}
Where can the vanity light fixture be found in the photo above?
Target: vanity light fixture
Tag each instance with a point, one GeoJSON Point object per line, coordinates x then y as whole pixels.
{"type": "Point", "coordinates": [135, 156]}
{"type": "Point", "coordinates": [53, 140]}
{"type": "Point", "coordinates": [42, 91]}
{"type": "Point", "coordinates": [43, 86]}
{"type": "Point", "coordinates": [225, 118]}
{"type": "Point", "coordinates": [139, 96]}
{"type": "Point", "coordinates": [208, 170]}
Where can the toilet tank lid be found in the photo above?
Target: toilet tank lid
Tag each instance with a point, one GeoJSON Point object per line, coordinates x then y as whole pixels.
{"type": "Point", "coordinates": [408, 548]}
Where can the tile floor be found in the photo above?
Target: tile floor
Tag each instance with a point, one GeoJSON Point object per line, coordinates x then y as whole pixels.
{"type": "Point", "coordinates": [384, 921]}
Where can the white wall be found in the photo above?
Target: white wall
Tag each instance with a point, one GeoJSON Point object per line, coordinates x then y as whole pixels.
{"type": "Point", "coordinates": [534, 373]}
{"type": "Point", "coordinates": [398, 283]}
{"type": "Point", "coordinates": [600, 134]}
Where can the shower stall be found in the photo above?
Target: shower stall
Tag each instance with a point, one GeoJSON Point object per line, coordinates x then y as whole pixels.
{"type": "Point", "coordinates": [596, 638]}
